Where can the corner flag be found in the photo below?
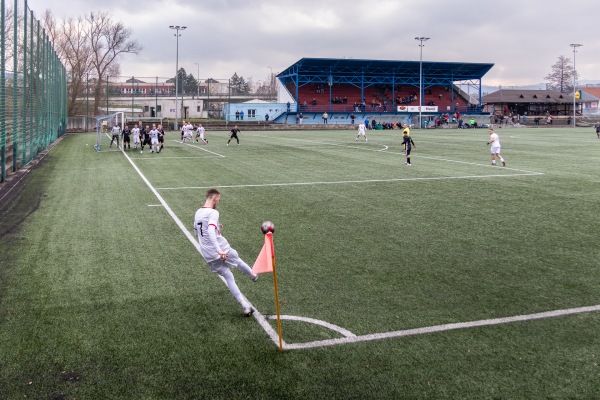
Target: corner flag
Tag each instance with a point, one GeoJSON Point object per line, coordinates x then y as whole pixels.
{"type": "Point", "coordinates": [266, 258]}
{"type": "Point", "coordinates": [265, 262]}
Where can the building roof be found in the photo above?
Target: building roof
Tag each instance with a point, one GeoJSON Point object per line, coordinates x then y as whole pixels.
{"type": "Point", "coordinates": [527, 96]}
{"type": "Point", "coordinates": [134, 80]}
{"type": "Point", "coordinates": [593, 92]}
{"type": "Point", "coordinates": [369, 72]}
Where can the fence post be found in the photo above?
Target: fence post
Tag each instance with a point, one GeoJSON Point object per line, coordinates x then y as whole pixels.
{"type": "Point", "coordinates": [2, 93]}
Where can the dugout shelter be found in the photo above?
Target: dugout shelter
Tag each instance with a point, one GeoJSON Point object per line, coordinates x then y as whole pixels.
{"type": "Point", "coordinates": [332, 85]}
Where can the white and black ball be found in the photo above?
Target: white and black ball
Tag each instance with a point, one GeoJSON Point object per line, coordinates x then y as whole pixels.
{"type": "Point", "coordinates": [267, 227]}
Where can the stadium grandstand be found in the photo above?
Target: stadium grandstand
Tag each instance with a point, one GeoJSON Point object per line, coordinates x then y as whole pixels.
{"type": "Point", "coordinates": [379, 89]}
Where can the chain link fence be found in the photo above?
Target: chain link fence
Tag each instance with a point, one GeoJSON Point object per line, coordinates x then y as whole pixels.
{"type": "Point", "coordinates": [33, 88]}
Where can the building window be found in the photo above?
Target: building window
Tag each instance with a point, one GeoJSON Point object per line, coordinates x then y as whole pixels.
{"type": "Point", "coordinates": [251, 113]}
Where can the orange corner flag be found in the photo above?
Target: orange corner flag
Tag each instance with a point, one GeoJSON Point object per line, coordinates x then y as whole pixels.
{"type": "Point", "coordinates": [265, 260]}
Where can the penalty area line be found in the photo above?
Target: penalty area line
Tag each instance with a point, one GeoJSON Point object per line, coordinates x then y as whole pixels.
{"type": "Point", "coordinates": [200, 148]}
{"type": "Point", "coordinates": [352, 182]}
{"type": "Point", "coordinates": [441, 328]}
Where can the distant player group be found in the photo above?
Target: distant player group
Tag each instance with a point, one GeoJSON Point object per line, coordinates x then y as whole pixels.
{"type": "Point", "coordinates": [155, 138]}
{"type": "Point", "coordinates": [187, 130]}
{"type": "Point", "coordinates": [142, 136]}
{"type": "Point", "coordinates": [408, 144]}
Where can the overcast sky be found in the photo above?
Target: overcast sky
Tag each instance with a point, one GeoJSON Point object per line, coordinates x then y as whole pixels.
{"type": "Point", "coordinates": [522, 38]}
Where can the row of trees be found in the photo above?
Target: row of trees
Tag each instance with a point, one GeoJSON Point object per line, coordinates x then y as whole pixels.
{"type": "Point", "coordinates": [90, 47]}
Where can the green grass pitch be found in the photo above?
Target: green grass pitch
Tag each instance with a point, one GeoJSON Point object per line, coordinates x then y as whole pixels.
{"type": "Point", "coordinates": [102, 296]}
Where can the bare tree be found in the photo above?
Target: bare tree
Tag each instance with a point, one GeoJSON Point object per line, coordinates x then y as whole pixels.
{"type": "Point", "coordinates": [90, 47]}
{"type": "Point", "coordinates": [561, 77]}
{"type": "Point", "coordinates": [70, 41]}
{"type": "Point", "coordinates": [108, 41]}
{"type": "Point", "coordinates": [9, 38]}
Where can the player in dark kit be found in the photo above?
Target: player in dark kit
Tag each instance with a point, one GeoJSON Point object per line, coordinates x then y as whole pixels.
{"type": "Point", "coordinates": [126, 139]}
{"type": "Point", "coordinates": [234, 135]}
{"type": "Point", "coordinates": [408, 144]}
{"type": "Point", "coordinates": [161, 137]}
{"type": "Point", "coordinates": [145, 137]}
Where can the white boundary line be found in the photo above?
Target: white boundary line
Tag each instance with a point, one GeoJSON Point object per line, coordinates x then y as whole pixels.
{"type": "Point", "coordinates": [164, 158]}
{"type": "Point", "coordinates": [349, 336]}
{"type": "Point", "coordinates": [180, 224]}
{"type": "Point", "coordinates": [441, 328]}
{"type": "Point", "coordinates": [354, 182]}
{"type": "Point", "coordinates": [396, 153]}
{"type": "Point", "coordinates": [199, 148]}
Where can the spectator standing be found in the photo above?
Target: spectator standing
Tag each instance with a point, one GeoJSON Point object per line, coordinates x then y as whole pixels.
{"type": "Point", "coordinates": [325, 117]}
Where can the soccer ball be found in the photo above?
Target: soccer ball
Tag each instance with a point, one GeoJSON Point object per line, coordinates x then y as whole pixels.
{"type": "Point", "coordinates": [267, 227]}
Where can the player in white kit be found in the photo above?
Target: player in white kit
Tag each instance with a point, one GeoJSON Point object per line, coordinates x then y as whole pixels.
{"type": "Point", "coordinates": [216, 249]}
{"type": "Point", "coordinates": [200, 134]}
{"type": "Point", "coordinates": [187, 132]}
{"type": "Point", "coordinates": [495, 149]}
{"type": "Point", "coordinates": [136, 136]}
{"type": "Point", "coordinates": [362, 131]}
{"type": "Point", "coordinates": [154, 139]}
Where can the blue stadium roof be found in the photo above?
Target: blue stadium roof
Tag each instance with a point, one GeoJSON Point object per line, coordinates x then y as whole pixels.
{"type": "Point", "coordinates": [377, 72]}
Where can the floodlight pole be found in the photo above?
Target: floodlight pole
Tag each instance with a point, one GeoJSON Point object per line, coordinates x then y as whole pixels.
{"type": "Point", "coordinates": [177, 28]}
{"type": "Point", "coordinates": [574, 46]}
{"type": "Point", "coordinates": [421, 40]}
{"type": "Point", "coordinates": [198, 79]}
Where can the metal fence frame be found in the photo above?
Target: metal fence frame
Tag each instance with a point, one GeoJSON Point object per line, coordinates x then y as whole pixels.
{"type": "Point", "coordinates": [37, 85]}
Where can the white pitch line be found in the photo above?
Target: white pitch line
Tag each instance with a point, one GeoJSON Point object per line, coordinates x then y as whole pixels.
{"type": "Point", "coordinates": [352, 182]}
{"type": "Point", "coordinates": [163, 158]}
{"type": "Point", "coordinates": [442, 328]}
{"type": "Point", "coordinates": [397, 153]}
{"type": "Point", "coordinates": [180, 224]}
{"type": "Point", "coordinates": [313, 321]}
{"type": "Point", "coordinates": [200, 148]}
{"type": "Point", "coordinates": [154, 205]}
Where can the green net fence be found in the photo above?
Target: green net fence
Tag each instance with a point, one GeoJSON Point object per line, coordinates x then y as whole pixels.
{"type": "Point", "coordinates": [33, 88]}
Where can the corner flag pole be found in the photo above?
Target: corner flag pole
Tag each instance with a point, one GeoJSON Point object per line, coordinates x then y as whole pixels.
{"type": "Point", "coordinates": [276, 295]}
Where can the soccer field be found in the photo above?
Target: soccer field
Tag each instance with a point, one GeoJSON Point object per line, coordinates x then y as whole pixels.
{"type": "Point", "coordinates": [451, 278]}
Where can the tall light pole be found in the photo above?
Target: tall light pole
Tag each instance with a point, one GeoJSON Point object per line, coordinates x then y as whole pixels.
{"type": "Point", "coordinates": [574, 46]}
{"type": "Point", "coordinates": [198, 78]}
{"type": "Point", "coordinates": [177, 28]}
{"type": "Point", "coordinates": [421, 45]}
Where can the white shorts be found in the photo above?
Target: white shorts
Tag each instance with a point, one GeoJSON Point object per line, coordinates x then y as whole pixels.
{"type": "Point", "coordinates": [219, 266]}
{"type": "Point", "coordinates": [154, 141]}
{"type": "Point", "coordinates": [495, 150]}
{"type": "Point", "coordinates": [187, 134]}
{"type": "Point", "coordinates": [136, 139]}
{"type": "Point", "coordinates": [362, 133]}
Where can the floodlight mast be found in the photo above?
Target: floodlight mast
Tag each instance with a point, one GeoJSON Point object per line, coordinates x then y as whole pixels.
{"type": "Point", "coordinates": [177, 28]}
{"type": "Point", "coordinates": [574, 46]}
{"type": "Point", "coordinates": [421, 39]}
